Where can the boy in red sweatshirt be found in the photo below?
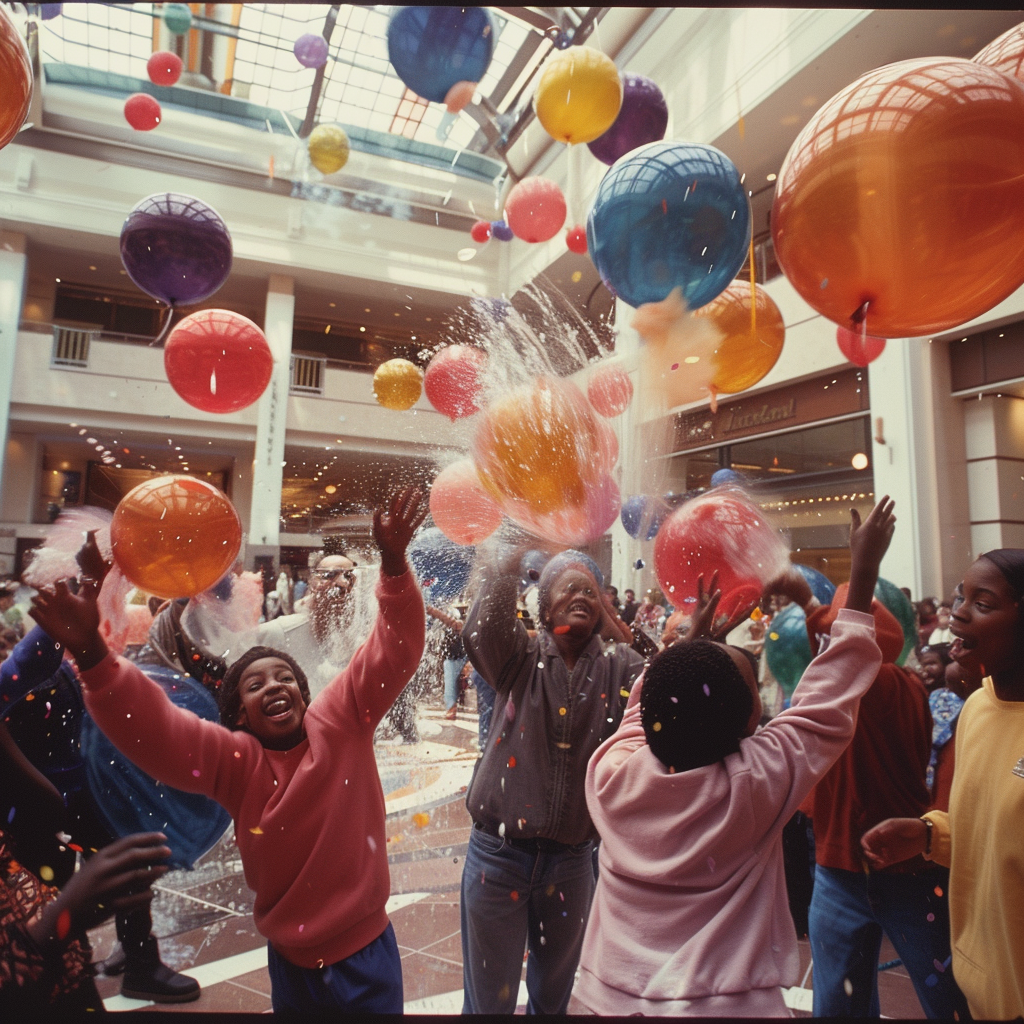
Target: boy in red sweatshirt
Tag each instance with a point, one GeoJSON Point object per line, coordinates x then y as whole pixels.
{"type": "Point", "coordinates": [300, 782]}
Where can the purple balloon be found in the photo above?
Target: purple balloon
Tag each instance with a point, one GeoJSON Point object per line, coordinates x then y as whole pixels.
{"type": "Point", "coordinates": [501, 231]}
{"type": "Point", "coordinates": [176, 248]}
{"type": "Point", "coordinates": [50, 11]}
{"type": "Point", "coordinates": [643, 118]}
{"type": "Point", "coordinates": [310, 50]}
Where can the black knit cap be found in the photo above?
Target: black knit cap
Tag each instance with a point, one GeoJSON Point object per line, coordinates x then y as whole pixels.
{"type": "Point", "coordinates": [1010, 562]}
{"type": "Point", "coordinates": [228, 697]}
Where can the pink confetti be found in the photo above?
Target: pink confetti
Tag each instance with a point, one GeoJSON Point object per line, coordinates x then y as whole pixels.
{"type": "Point", "coordinates": [707, 690]}
{"type": "Point", "coordinates": [675, 366]}
{"type": "Point", "coordinates": [510, 709]}
{"type": "Point", "coordinates": [931, 917]}
{"type": "Point", "coordinates": [371, 843]}
{"type": "Point", "coordinates": [301, 926]}
{"type": "Point", "coordinates": [196, 772]}
{"type": "Point", "coordinates": [939, 966]}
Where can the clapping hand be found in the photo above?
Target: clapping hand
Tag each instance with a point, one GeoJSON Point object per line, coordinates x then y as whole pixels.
{"type": "Point", "coordinates": [393, 530]}
{"type": "Point", "coordinates": [73, 620]}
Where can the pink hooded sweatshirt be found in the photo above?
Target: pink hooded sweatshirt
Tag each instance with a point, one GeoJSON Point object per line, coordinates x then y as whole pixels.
{"type": "Point", "coordinates": [690, 915]}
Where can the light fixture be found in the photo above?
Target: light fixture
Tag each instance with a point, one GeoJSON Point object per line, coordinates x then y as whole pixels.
{"type": "Point", "coordinates": [362, 330]}
{"type": "Point", "coordinates": [330, 489]}
{"type": "Point", "coordinates": [859, 461]}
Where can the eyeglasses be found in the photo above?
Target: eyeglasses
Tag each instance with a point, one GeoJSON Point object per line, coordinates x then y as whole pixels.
{"type": "Point", "coordinates": [332, 574]}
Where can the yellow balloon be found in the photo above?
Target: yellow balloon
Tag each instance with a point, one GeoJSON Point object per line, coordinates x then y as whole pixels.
{"type": "Point", "coordinates": [328, 148]}
{"type": "Point", "coordinates": [397, 384]}
{"type": "Point", "coordinates": [579, 94]}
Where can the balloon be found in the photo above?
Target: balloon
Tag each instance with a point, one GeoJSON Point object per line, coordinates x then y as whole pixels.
{"type": "Point", "coordinates": [533, 561]}
{"type": "Point", "coordinates": [721, 530]}
{"type": "Point", "coordinates": [788, 648]}
{"type": "Point", "coordinates": [175, 536]}
{"type": "Point", "coordinates": [133, 802]}
{"type": "Point", "coordinates": [218, 361]}
{"type": "Point", "coordinates": [164, 68]}
{"type": "Point", "coordinates": [176, 248]}
{"type": "Point", "coordinates": [607, 453]}
{"type": "Point", "coordinates": [310, 50]}
{"type": "Point", "coordinates": [901, 203]}
{"type": "Point", "coordinates": [177, 18]}
{"type": "Point", "coordinates": [463, 511]}
{"type": "Point", "coordinates": [501, 231]}
{"type": "Point", "coordinates": [858, 347]}
{"type": "Point", "coordinates": [142, 112]}
{"type": "Point", "coordinates": [16, 76]}
{"type": "Point", "coordinates": [642, 515]}
{"type": "Point", "coordinates": [397, 384]}
{"type": "Point", "coordinates": [433, 49]}
{"type": "Point", "coordinates": [459, 96]}
{"type": "Point", "coordinates": [575, 524]}
{"type": "Point", "coordinates": [480, 231]}
{"type": "Point", "coordinates": [576, 240]}
{"type": "Point", "coordinates": [328, 148]}
{"type": "Point", "coordinates": [535, 209]}
{"type": "Point", "coordinates": [579, 94]}
{"type": "Point", "coordinates": [1006, 53]}
{"type": "Point", "coordinates": [603, 505]}
{"type": "Point", "coordinates": [668, 215]}
{"type": "Point", "coordinates": [610, 390]}
{"type": "Point", "coordinates": [821, 586]}
{"type": "Point", "coordinates": [442, 566]}
{"type": "Point", "coordinates": [726, 477]}
{"type": "Point", "coordinates": [899, 604]}
{"type": "Point", "coordinates": [747, 351]}
{"type": "Point", "coordinates": [50, 11]}
{"type": "Point", "coordinates": [643, 118]}
{"type": "Point", "coordinates": [452, 380]}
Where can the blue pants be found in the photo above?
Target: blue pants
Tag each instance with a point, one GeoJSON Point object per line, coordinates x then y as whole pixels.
{"type": "Point", "coordinates": [369, 981]}
{"type": "Point", "coordinates": [452, 668]}
{"type": "Point", "coordinates": [513, 900]}
{"type": "Point", "coordinates": [484, 704]}
{"type": "Point", "coordinates": [850, 910]}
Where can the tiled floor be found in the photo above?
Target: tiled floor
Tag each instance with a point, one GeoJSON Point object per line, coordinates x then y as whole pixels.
{"type": "Point", "coordinates": [203, 918]}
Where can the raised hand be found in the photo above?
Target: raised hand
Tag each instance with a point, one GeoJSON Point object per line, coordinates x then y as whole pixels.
{"type": "Point", "coordinates": [393, 531]}
{"type": "Point", "coordinates": [91, 561]}
{"type": "Point", "coordinates": [612, 626]}
{"type": "Point", "coordinates": [869, 542]}
{"type": "Point", "coordinates": [703, 622]}
{"type": "Point", "coordinates": [894, 840]}
{"type": "Point", "coordinates": [73, 620]}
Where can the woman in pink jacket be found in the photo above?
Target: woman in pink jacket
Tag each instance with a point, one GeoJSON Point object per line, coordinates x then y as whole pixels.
{"type": "Point", "coordinates": [690, 916]}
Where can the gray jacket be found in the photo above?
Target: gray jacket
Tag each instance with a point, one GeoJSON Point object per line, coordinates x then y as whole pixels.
{"type": "Point", "coordinates": [546, 722]}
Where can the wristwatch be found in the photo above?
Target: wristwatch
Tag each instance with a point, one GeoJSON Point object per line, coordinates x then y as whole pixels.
{"type": "Point", "coordinates": [929, 825]}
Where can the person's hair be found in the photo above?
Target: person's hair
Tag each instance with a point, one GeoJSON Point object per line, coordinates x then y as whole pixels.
{"type": "Point", "coordinates": [228, 697]}
{"type": "Point", "coordinates": [569, 559]}
{"type": "Point", "coordinates": [695, 705]}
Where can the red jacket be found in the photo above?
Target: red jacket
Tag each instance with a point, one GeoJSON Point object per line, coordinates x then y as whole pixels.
{"type": "Point", "coordinates": [881, 774]}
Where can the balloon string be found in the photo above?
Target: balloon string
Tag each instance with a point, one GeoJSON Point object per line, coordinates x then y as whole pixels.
{"type": "Point", "coordinates": [571, 185]}
{"type": "Point", "coordinates": [164, 328]}
{"type": "Point", "coordinates": [753, 292]}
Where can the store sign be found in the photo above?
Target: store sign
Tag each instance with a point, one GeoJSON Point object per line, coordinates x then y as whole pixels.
{"type": "Point", "coordinates": [735, 419]}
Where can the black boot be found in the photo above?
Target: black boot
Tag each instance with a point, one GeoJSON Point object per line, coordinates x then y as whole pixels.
{"type": "Point", "coordinates": [147, 977]}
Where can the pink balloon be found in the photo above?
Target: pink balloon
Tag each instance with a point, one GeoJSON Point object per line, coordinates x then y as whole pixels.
{"type": "Point", "coordinates": [452, 380]}
{"type": "Point", "coordinates": [462, 509]}
{"type": "Point", "coordinates": [608, 447]}
{"type": "Point", "coordinates": [603, 505]}
{"type": "Point", "coordinates": [859, 348]}
{"type": "Point", "coordinates": [610, 390]}
{"type": "Point", "coordinates": [535, 210]}
{"type": "Point", "coordinates": [459, 96]}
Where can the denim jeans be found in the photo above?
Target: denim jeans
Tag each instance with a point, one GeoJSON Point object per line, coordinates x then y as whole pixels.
{"type": "Point", "coordinates": [452, 668]}
{"type": "Point", "coordinates": [513, 900]}
{"type": "Point", "coordinates": [850, 910]}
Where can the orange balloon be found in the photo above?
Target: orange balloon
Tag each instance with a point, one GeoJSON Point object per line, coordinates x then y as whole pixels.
{"type": "Point", "coordinates": [1005, 54]}
{"type": "Point", "coordinates": [16, 76]}
{"type": "Point", "coordinates": [903, 198]}
{"type": "Point", "coordinates": [463, 511]}
{"type": "Point", "coordinates": [744, 356]}
{"type": "Point", "coordinates": [175, 536]}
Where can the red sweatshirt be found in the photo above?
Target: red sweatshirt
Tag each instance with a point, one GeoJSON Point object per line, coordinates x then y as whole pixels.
{"type": "Point", "coordinates": [309, 821]}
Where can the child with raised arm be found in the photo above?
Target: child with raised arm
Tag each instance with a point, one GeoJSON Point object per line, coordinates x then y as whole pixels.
{"type": "Point", "coordinates": [300, 782]}
{"type": "Point", "coordinates": [690, 916]}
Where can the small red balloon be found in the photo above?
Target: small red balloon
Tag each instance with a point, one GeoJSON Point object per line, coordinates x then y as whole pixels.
{"type": "Point", "coordinates": [452, 380]}
{"type": "Point", "coordinates": [164, 68]}
{"type": "Point", "coordinates": [535, 209]}
{"type": "Point", "coordinates": [481, 231]}
{"type": "Point", "coordinates": [142, 112]}
{"type": "Point", "coordinates": [860, 349]}
{"type": "Point", "coordinates": [610, 390]}
{"type": "Point", "coordinates": [576, 239]}
{"type": "Point", "coordinates": [218, 361]}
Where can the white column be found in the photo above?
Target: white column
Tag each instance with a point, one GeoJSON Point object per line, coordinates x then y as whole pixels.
{"type": "Point", "coordinates": [994, 431]}
{"type": "Point", "coordinates": [12, 293]}
{"type": "Point", "coordinates": [265, 514]}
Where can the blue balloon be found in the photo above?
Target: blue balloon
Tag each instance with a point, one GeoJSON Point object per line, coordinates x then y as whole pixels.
{"type": "Point", "coordinates": [821, 586]}
{"type": "Point", "coordinates": [501, 231]}
{"type": "Point", "coordinates": [722, 477]}
{"type": "Point", "coordinates": [432, 48]}
{"type": "Point", "coordinates": [441, 565]}
{"type": "Point", "coordinates": [531, 565]}
{"type": "Point", "coordinates": [667, 215]}
{"type": "Point", "coordinates": [641, 508]}
{"type": "Point", "coordinates": [130, 801]}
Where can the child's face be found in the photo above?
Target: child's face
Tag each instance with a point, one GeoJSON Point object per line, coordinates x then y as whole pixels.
{"type": "Point", "coordinates": [272, 707]}
{"type": "Point", "coordinates": [932, 669]}
{"type": "Point", "coordinates": [943, 615]}
{"type": "Point", "coordinates": [742, 662]}
{"type": "Point", "coordinates": [985, 621]}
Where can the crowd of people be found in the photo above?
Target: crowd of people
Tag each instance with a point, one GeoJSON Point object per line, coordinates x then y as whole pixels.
{"type": "Point", "coordinates": [652, 823]}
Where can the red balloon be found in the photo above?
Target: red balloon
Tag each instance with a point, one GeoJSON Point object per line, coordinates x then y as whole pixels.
{"type": "Point", "coordinates": [610, 390]}
{"type": "Point", "coordinates": [480, 232]}
{"type": "Point", "coordinates": [218, 361]}
{"type": "Point", "coordinates": [452, 381]}
{"type": "Point", "coordinates": [535, 210]}
{"type": "Point", "coordinates": [164, 68]}
{"type": "Point", "coordinates": [576, 239]}
{"type": "Point", "coordinates": [722, 531]}
{"type": "Point", "coordinates": [142, 112]}
{"type": "Point", "coordinates": [1005, 54]}
{"type": "Point", "coordinates": [16, 79]}
{"type": "Point", "coordinates": [859, 348]}
{"type": "Point", "coordinates": [463, 511]}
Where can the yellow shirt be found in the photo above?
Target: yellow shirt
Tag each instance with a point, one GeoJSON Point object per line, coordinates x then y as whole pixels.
{"type": "Point", "coordinates": [981, 840]}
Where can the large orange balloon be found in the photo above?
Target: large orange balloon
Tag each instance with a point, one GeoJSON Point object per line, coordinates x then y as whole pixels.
{"type": "Point", "coordinates": [175, 536]}
{"type": "Point", "coordinates": [905, 193]}
{"type": "Point", "coordinates": [463, 511]}
{"type": "Point", "coordinates": [1005, 54]}
{"type": "Point", "coordinates": [15, 79]}
{"type": "Point", "coordinates": [750, 348]}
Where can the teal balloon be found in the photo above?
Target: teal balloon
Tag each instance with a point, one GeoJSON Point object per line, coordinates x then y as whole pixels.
{"type": "Point", "coordinates": [178, 18]}
{"type": "Point", "coordinates": [899, 604]}
{"type": "Point", "coordinates": [787, 648]}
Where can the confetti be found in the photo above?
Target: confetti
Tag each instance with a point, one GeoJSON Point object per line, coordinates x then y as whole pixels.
{"type": "Point", "coordinates": [707, 690]}
{"type": "Point", "coordinates": [510, 709]}
{"type": "Point", "coordinates": [550, 891]}
{"type": "Point", "coordinates": [372, 843]}
{"type": "Point", "coordinates": [302, 927]}
{"type": "Point", "coordinates": [939, 966]}
{"type": "Point", "coordinates": [501, 830]}
{"type": "Point", "coordinates": [558, 631]}
{"type": "Point", "coordinates": [938, 891]}
{"type": "Point", "coordinates": [543, 941]}
{"type": "Point", "coordinates": [656, 727]}
{"type": "Point", "coordinates": [512, 762]}
{"type": "Point", "coordinates": [319, 963]}
{"type": "Point", "coordinates": [10, 816]}
{"type": "Point", "coordinates": [63, 924]}
{"type": "Point", "coordinates": [773, 636]}
{"type": "Point", "coordinates": [421, 819]}
{"type": "Point", "coordinates": [196, 772]}
{"type": "Point", "coordinates": [932, 980]}
{"type": "Point", "coordinates": [514, 894]}
{"type": "Point", "coordinates": [257, 831]}
{"type": "Point", "coordinates": [561, 711]}
{"type": "Point", "coordinates": [638, 564]}
{"type": "Point", "coordinates": [238, 753]}
{"type": "Point", "coordinates": [848, 986]}
{"type": "Point", "coordinates": [930, 917]}
{"type": "Point", "coordinates": [623, 692]}
{"type": "Point", "coordinates": [675, 700]}
{"type": "Point", "coordinates": [521, 823]}
{"type": "Point", "coordinates": [76, 848]}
